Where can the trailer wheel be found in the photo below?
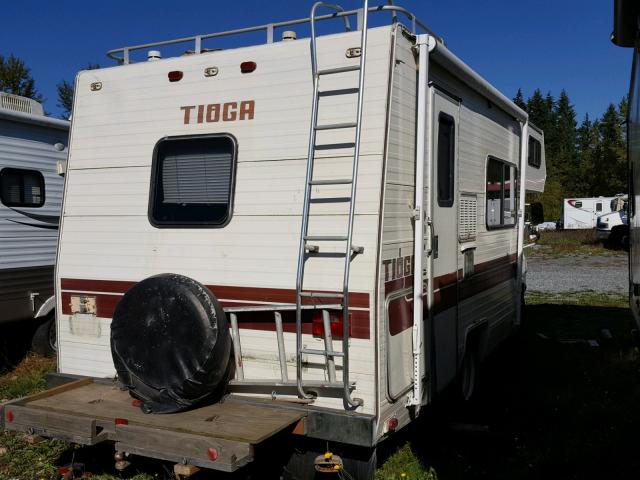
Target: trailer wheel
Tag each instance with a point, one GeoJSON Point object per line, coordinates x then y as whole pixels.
{"type": "Point", "coordinates": [468, 374]}
{"type": "Point", "coordinates": [44, 340]}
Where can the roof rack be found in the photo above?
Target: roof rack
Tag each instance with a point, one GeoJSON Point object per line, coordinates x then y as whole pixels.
{"type": "Point", "coordinates": [122, 55]}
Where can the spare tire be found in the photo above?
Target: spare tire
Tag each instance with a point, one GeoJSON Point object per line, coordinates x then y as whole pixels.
{"type": "Point", "coordinates": [170, 343]}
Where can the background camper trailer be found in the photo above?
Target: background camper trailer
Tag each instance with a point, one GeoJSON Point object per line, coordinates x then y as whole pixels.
{"type": "Point", "coordinates": [339, 219]}
{"type": "Point", "coordinates": [31, 145]}
{"type": "Point", "coordinates": [580, 213]}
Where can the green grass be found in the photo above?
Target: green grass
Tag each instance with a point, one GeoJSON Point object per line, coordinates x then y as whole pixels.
{"type": "Point", "coordinates": [404, 464]}
{"type": "Point", "coordinates": [571, 242]}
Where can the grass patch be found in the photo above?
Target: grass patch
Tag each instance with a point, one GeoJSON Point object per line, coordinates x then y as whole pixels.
{"type": "Point", "coordinates": [571, 242]}
{"type": "Point", "coordinates": [27, 378]}
{"type": "Point", "coordinates": [404, 464]}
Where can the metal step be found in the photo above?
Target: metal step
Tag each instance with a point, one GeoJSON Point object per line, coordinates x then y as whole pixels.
{"type": "Point", "coordinates": [336, 126]}
{"type": "Point", "coordinates": [325, 238]}
{"type": "Point", "coordinates": [321, 294]}
{"type": "Point", "coordinates": [324, 353]}
{"type": "Point", "coordinates": [335, 181]}
{"type": "Point", "coordinates": [335, 146]}
{"type": "Point", "coordinates": [331, 71]}
{"type": "Point", "coordinates": [338, 91]}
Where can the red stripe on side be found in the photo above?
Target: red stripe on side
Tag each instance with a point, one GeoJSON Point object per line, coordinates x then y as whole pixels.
{"type": "Point", "coordinates": [112, 292]}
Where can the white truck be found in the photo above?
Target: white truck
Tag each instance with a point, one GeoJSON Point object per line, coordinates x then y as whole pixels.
{"type": "Point", "coordinates": [613, 227]}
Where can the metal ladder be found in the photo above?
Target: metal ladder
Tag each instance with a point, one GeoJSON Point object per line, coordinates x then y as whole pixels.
{"type": "Point", "coordinates": [307, 249]}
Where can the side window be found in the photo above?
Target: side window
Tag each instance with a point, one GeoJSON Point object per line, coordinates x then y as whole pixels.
{"type": "Point", "coordinates": [21, 188]}
{"type": "Point", "coordinates": [502, 194]}
{"type": "Point", "coordinates": [446, 159]}
{"type": "Point", "coordinates": [598, 207]}
{"type": "Point", "coordinates": [535, 153]}
{"type": "Point", "coordinates": [192, 181]}
{"type": "Point", "coordinates": [578, 205]}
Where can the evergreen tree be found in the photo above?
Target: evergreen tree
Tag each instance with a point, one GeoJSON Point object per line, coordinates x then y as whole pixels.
{"type": "Point", "coordinates": [565, 137]}
{"type": "Point", "coordinates": [519, 100]}
{"type": "Point", "coordinates": [16, 78]}
{"type": "Point", "coordinates": [612, 153]}
{"type": "Point", "coordinates": [588, 146]}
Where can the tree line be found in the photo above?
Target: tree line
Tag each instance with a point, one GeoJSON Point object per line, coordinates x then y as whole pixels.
{"type": "Point", "coordinates": [16, 78]}
{"type": "Point", "coordinates": [585, 160]}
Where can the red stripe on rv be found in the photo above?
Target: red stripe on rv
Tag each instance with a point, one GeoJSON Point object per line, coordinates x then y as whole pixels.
{"type": "Point", "coordinates": [110, 293]}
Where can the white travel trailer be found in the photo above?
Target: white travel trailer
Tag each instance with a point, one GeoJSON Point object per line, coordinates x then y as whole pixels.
{"type": "Point", "coordinates": [580, 213]}
{"type": "Point", "coordinates": [31, 145]}
{"type": "Point", "coordinates": [212, 237]}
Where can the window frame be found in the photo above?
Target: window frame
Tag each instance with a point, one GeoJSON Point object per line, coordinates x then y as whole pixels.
{"type": "Point", "coordinates": [448, 202]}
{"type": "Point", "coordinates": [516, 179]}
{"type": "Point", "coordinates": [23, 171]}
{"type": "Point", "coordinates": [155, 170]}
{"type": "Point", "coordinates": [537, 157]}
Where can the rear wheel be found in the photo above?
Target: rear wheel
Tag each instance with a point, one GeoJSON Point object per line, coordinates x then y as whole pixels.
{"type": "Point", "coordinates": [44, 340]}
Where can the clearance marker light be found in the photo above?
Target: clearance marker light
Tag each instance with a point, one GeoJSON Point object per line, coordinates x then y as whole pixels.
{"type": "Point", "coordinates": [121, 421]}
{"type": "Point", "coordinates": [175, 76]}
{"type": "Point", "coordinates": [212, 453]}
{"type": "Point", "coordinates": [10, 416]}
{"type": "Point", "coordinates": [248, 67]}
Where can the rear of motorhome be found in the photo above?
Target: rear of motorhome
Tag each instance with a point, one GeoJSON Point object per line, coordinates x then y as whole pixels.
{"type": "Point", "coordinates": [583, 213]}
{"type": "Point", "coordinates": [31, 146]}
{"type": "Point", "coordinates": [327, 232]}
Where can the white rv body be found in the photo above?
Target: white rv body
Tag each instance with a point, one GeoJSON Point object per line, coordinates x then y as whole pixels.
{"type": "Point", "coordinates": [31, 145]}
{"type": "Point", "coordinates": [472, 223]}
{"type": "Point", "coordinates": [583, 213]}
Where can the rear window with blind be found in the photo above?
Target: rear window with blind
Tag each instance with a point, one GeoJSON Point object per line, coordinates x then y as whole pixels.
{"type": "Point", "coordinates": [192, 181]}
{"type": "Point", "coordinates": [21, 188]}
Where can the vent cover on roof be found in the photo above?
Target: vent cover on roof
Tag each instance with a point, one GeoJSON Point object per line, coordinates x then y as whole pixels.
{"type": "Point", "coordinates": [17, 103]}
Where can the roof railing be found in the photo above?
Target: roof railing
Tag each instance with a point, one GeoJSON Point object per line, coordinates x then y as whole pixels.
{"type": "Point", "coordinates": [123, 55]}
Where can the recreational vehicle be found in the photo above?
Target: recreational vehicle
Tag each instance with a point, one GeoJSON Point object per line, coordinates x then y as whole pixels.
{"type": "Point", "coordinates": [613, 227]}
{"type": "Point", "coordinates": [307, 240]}
{"type": "Point", "coordinates": [580, 213]}
{"type": "Point", "coordinates": [31, 146]}
{"type": "Point", "coordinates": [626, 33]}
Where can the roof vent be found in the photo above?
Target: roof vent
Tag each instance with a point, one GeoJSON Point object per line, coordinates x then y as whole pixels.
{"type": "Point", "coordinates": [153, 55]}
{"type": "Point", "coordinates": [16, 103]}
{"type": "Point", "coordinates": [289, 35]}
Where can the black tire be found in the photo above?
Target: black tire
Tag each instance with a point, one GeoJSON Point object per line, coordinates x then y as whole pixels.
{"type": "Point", "coordinates": [170, 343]}
{"type": "Point", "coordinates": [468, 376]}
{"type": "Point", "coordinates": [44, 341]}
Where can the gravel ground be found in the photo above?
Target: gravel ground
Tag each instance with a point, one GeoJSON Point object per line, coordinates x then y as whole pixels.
{"type": "Point", "coordinates": [600, 273]}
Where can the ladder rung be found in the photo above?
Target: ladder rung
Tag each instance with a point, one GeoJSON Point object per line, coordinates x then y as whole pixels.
{"type": "Point", "coordinates": [328, 238]}
{"type": "Point", "coordinates": [336, 126]}
{"type": "Point", "coordinates": [339, 91]}
{"type": "Point", "coordinates": [331, 71]}
{"type": "Point", "coordinates": [324, 353]}
{"type": "Point", "coordinates": [321, 294]}
{"type": "Point", "coordinates": [335, 146]}
{"type": "Point", "coordinates": [334, 181]}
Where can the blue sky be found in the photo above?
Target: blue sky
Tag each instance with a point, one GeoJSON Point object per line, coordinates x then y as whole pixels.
{"type": "Point", "coordinates": [542, 44]}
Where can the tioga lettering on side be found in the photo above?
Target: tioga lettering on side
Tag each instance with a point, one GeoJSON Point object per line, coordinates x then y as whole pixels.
{"type": "Point", "coordinates": [216, 112]}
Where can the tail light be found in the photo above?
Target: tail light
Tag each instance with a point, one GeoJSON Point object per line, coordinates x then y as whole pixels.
{"type": "Point", "coordinates": [212, 453]}
{"type": "Point", "coordinates": [175, 76]}
{"type": "Point", "coordinates": [335, 321]}
{"type": "Point", "coordinates": [248, 67]}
